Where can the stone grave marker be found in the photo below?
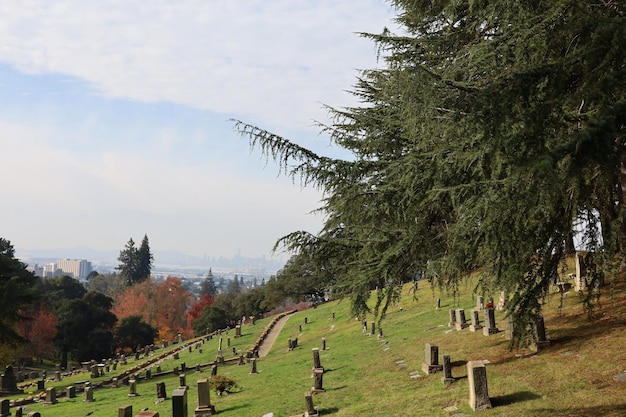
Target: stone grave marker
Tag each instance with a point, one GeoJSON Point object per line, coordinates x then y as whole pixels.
{"type": "Point", "coordinates": [253, 366]}
{"type": "Point", "coordinates": [317, 364]}
{"type": "Point", "coordinates": [323, 343]}
{"type": "Point", "coordinates": [475, 322]}
{"type": "Point", "coordinates": [490, 322]}
{"type": "Point", "coordinates": [501, 301]}
{"type": "Point", "coordinates": [539, 335]}
{"type": "Point", "coordinates": [34, 414]}
{"type": "Point", "coordinates": [510, 328]}
{"type": "Point", "coordinates": [161, 393]}
{"type": "Point", "coordinates": [125, 411]}
{"type": "Point", "coordinates": [179, 402]}
{"type": "Point", "coordinates": [479, 302]}
{"type": "Point", "coordinates": [460, 322]}
{"type": "Point", "coordinates": [452, 315]}
{"type": "Point", "coordinates": [132, 388]}
{"type": "Point", "coordinates": [8, 381]}
{"type": "Point", "coordinates": [204, 399]}
{"type": "Point", "coordinates": [237, 331]}
{"type": "Point", "coordinates": [88, 394]}
{"type": "Point", "coordinates": [373, 332]}
{"type": "Point", "coordinates": [70, 392]}
{"type": "Point", "coordinates": [19, 412]}
{"type": "Point", "coordinates": [318, 379]}
{"type": "Point", "coordinates": [478, 389]}
{"type": "Point", "coordinates": [447, 370]}
{"type": "Point", "coordinates": [213, 370]}
{"type": "Point", "coordinates": [5, 408]}
{"type": "Point", "coordinates": [431, 359]}
{"type": "Point", "coordinates": [182, 380]}
{"type": "Point", "coordinates": [51, 396]}
{"type": "Point", "coordinates": [311, 410]}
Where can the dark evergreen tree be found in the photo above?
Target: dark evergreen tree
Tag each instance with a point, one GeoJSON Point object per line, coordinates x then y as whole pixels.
{"type": "Point", "coordinates": [208, 284]}
{"type": "Point", "coordinates": [129, 262]}
{"type": "Point", "coordinates": [144, 267]}
{"type": "Point", "coordinates": [492, 129]}
{"type": "Point", "coordinates": [16, 292]}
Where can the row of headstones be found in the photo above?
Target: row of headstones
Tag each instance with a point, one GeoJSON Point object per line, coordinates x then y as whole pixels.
{"type": "Point", "coordinates": [476, 375]}
{"type": "Point", "coordinates": [458, 321]}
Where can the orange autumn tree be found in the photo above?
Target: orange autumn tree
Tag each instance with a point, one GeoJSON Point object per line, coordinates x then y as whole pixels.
{"type": "Point", "coordinates": [40, 332]}
{"type": "Point", "coordinates": [172, 300]}
{"type": "Point", "coordinates": [138, 300]}
{"type": "Point", "coordinates": [196, 310]}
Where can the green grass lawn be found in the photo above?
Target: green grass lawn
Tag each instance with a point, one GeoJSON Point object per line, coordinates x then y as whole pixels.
{"type": "Point", "coordinates": [366, 375]}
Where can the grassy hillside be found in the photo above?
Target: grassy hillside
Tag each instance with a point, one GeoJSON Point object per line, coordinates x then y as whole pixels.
{"type": "Point", "coordinates": [364, 374]}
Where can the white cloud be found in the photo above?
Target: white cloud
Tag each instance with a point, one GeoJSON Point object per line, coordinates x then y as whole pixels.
{"type": "Point", "coordinates": [273, 61]}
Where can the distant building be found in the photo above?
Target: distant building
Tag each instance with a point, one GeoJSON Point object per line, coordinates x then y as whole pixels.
{"type": "Point", "coordinates": [76, 268]}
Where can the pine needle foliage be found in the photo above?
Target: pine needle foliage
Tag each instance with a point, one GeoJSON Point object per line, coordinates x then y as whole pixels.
{"type": "Point", "coordinates": [494, 128]}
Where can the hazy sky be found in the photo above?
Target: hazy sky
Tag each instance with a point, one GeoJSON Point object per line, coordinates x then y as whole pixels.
{"type": "Point", "coordinates": [114, 117]}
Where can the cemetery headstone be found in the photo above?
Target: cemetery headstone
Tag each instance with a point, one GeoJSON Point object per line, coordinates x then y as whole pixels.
{"type": "Point", "coordinates": [5, 408]}
{"type": "Point", "coordinates": [51, 396]}
{"type": "Point", "coordinates": [241, 361]}
{"type": "Point", "coordinates": [447, 370]}
{"type": "Point", "coordinates": [460, 322]}
{"type": "Point", "coordinates": [70, 392]}
{"type": "Point", "coordinates": [34, 414]}
{"type": "Point", "coordinates": [88, 395]}
{"type": "Point", "coordinates": [475, 322]}
{"type": "Point", "coordinates": [8, 381]}
{"type": "Point", "coordinates": [147, 413]}
{"type": "Point", "coordinates": [479, 302]}
{"type": "Point", "coordinates": [490, 323]}
{"type": "Point", "coordinates": [182, 380]}
{"type": "Point", "coordinates": [237, 331]}
{"type": "Point", "coordinates": [311, 410]}
{"type": "Point", "coordinates": [501, 301]}
{"type": "Point", "coordinates": [132, 388]}
{"type": "Point", "coordinates": [318, 379]}
{"type": "Point", "coordinates": [160, 390]}
{"type": "Point", "coordinates": [179, 402]}
{"type": "Point", "coordinates": [204, 399]}
{"type": "Point", "coordinates": [431, 359]}
{"type": "Point", "coordinates": [373, 332]}
{"type": "Point", "coordinates": [438, 303]}
{"type": "Point", "coordinates": [41, 385]}
{"type": "Point", "coordinates": [253, 366]}
{"type": "Point", "coordinates": [213, 370]}
{"type": "Point", "coordinates": [539, 335]}
{"type": "Point", "coordinates": [323, 343]}
{"type": "Point", "coordinates": [478, 389]}
{"type": "Point", "coordinates": [510, 327]}
{"type": "Point", "coordinates": [452, 315]}
{"type": "Point", "coordinates": [125, 411]}
{"type": "Point", "coordinates": [316, 359]}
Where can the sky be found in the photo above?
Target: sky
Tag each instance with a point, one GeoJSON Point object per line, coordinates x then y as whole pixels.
{"type": "Point", "coordinates": [116, 117]}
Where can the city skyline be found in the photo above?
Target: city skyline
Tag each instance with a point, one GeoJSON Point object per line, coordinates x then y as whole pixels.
{"type": "Point", "coordinates": [117, 118]}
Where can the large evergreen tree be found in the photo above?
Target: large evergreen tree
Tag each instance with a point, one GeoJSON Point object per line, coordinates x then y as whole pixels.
{"type": "Point", "coordinates": [494, 127]}
{"type": "Point", "coordinates": [135, 263]}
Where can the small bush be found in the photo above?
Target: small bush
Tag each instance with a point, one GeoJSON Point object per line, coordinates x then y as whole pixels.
{"type": "Point", "coordinates": [222, 384]}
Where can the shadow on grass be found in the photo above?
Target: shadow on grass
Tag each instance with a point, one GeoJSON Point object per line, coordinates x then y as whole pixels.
{"type": "Point", "coordinates": [326, 411]}
{"type": "Point", "coordinates": [333, 369]}
{"type": "Point", "coordinates": [337, 388]}
{"type": "Point", "coordinates": [234, 407]}
{"type": "Point", "coordinates": [458, 363]}
{"type": "Point", "coordinates": [598, 410]}
{"type": "Point", "coordinates": [516, 397]}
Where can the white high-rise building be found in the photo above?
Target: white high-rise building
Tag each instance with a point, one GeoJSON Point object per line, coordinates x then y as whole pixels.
{"type": "Point", "coordinates": [77, 268]}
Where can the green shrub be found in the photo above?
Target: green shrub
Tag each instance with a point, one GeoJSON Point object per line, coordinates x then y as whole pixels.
{"type": "Point", "coordinates": [222, 384]}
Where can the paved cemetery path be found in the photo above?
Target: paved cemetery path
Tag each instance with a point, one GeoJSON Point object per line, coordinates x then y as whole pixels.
{"type": "Point", "coordinates": [272, 335]}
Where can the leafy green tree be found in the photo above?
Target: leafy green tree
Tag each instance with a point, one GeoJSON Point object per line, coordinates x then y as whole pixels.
{"type": "Point", "coordinates": [85, 327]}
{"type": "Point", "coordinates": [16, 292]}
{"type": "Point", "coordinates": [213, 318]}
{"type": "Point", "coordinates": [132, 332]}
{"type": "Point", "coordinates": [110, 285]}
